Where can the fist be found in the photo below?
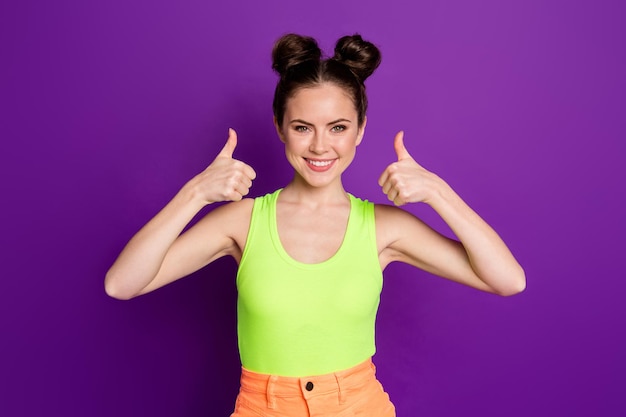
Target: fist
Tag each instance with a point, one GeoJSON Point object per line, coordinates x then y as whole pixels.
{"type": "Point", "coordinates": [405, 181]}
{"type": "Point", "coordinates": [226, 178]}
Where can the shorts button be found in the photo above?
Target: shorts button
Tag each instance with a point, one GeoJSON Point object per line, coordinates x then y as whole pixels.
{"type": "Point", "coordinates": [309, 386]}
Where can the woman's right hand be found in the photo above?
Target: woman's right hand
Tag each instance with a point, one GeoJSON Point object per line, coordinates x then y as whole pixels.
{"type": "Point", "coordinates": [158, 254]}
{"type": "Point", "coordinates": [226, 178]}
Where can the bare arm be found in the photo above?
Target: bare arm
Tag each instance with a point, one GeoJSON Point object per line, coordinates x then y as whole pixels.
{"type": "Point", "coordinates": [479, 259]}
{"type": "Point", "coordinates": [158, 254]}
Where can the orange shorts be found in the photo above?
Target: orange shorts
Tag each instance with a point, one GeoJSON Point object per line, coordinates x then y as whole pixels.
{"type": "Point", "coordinates": [351, 392]}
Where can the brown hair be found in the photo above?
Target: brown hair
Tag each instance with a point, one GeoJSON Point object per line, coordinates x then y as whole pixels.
{"type": "Point", "coordinates": [298, 60]}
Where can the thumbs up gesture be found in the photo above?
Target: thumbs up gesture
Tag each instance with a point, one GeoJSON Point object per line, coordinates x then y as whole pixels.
{"type": "Point", "coordinates": [406, 181]}
{"type": "Point", "coordinates": [226, 178]}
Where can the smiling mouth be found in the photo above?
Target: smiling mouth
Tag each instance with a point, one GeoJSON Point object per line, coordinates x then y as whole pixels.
{"type": "Point", "coordinates": [319, 165]}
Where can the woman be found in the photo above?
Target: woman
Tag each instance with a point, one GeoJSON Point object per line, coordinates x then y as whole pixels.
{"type": "Point", "coordinates": [311, 255]}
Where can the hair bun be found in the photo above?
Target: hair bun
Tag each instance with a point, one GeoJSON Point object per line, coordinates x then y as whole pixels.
{"type": "Point", "coordinates": [362, 57]}
{"type": "Point", "coordinates": [292, 50]}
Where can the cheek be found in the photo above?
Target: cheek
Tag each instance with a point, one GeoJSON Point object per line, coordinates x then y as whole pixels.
{"type": "Point", "coordinates": [350, 144]}
{"type": "Point", "coordinates": [294, 145]}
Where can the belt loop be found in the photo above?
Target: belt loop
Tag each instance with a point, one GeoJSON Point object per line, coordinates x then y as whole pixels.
{"type": "Point", "coordinates": [342, 397]}
{"type": "Point", "coordinates": [271, 400]}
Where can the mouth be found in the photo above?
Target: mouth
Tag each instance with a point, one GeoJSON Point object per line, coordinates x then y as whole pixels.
{"type": "Point", "coordinates": [320, 165]}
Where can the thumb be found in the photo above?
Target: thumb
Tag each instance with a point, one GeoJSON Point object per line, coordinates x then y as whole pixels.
{"type": "Point", "coordinates": [398, 144]}
{"type": "Point", "coordinates": [231, 144]}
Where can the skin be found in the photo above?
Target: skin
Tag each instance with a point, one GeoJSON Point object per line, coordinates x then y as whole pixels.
{"type": "Point", "coordinates": [321, 133]}
{"type": "Point", "coordinates": [480, 258]}
{"type": "Point", "coordinates": [320, 126]}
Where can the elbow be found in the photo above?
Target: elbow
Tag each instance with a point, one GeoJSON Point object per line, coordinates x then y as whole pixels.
{"type": "Point", "coordinates": [516, 285]}
{"type": "Point", "coordinates": [114, 289]}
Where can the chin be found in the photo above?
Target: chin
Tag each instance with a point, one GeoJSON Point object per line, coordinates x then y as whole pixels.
{"type": "Point", "coordinates": [317, 181]}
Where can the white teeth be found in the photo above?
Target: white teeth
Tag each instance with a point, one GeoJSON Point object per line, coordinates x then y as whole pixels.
{"type": "Point", "coordinates": [319, 163]}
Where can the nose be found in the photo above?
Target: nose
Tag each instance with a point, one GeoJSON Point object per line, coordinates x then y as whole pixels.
{"type": "Point", "coordinates": [319, 143]}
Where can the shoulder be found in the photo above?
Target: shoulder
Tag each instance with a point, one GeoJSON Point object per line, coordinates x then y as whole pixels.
{"type": "Point", "coordinates": [228, 219]}
{"type": "Point", "coordinates": [237, 208]}
{"type": "Point", "coordinates": [394, 223]}
{"type": "Point", "coordinates": [230, 209]}
{"type": "Point", "coordinates": [387, 215]}
{"type": "Point", "coordinates": [234, 218]}
{"type": "Point", "coordinates": [229, 222]}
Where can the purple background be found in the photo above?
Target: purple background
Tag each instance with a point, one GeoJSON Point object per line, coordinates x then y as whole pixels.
{"type": "Point", "coordinates": [107, 109]}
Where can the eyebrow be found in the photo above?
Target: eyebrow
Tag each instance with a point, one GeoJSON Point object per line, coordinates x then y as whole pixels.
{"type": "Point", "coordinates": [311, 124]}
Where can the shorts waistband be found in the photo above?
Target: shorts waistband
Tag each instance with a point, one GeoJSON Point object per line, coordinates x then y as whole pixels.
{"type": "Point", "coordinates": [281, 386]}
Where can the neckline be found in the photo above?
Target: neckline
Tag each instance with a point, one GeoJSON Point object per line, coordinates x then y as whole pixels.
{"type": "Point", "coordinates": [278, 244]}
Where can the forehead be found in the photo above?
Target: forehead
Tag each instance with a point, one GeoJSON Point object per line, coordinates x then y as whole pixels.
{"type": "Point", "coordinates": [322, 101]}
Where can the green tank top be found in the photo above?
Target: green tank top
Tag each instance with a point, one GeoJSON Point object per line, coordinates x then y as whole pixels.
{"type": "Point", "coordinates": [297, 319]}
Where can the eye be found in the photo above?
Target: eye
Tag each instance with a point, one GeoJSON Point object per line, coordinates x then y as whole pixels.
{"type": "Point", "coordinates": [338, 128]}
{"type": "Point", "coordinates": [301, 128]}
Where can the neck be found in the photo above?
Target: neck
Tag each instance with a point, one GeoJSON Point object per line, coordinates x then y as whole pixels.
{"type": "Point", "coordinates": [301, 192]}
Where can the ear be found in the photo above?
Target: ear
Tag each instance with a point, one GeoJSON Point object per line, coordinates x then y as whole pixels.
{"type": "Point", "coordinates": [279, 131]}
{"type": "Point", "coordinates": [361, 132]}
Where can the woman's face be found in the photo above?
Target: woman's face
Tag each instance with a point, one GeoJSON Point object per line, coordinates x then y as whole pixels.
{"type": "Point", "coordinates": [320, 131]}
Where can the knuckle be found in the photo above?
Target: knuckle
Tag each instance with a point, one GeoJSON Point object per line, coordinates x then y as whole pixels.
{"type": "Point", "coordinates": [233, 196]}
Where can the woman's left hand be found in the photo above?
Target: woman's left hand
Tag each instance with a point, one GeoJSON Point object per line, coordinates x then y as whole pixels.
{"type": "Point", "coordinates": [479, 259]}
{"type": "Point", "coordinates": [406, 181]}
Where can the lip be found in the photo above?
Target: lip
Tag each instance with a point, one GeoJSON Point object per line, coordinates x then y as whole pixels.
{"type": "Point", "coordinates": [323, 165]}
